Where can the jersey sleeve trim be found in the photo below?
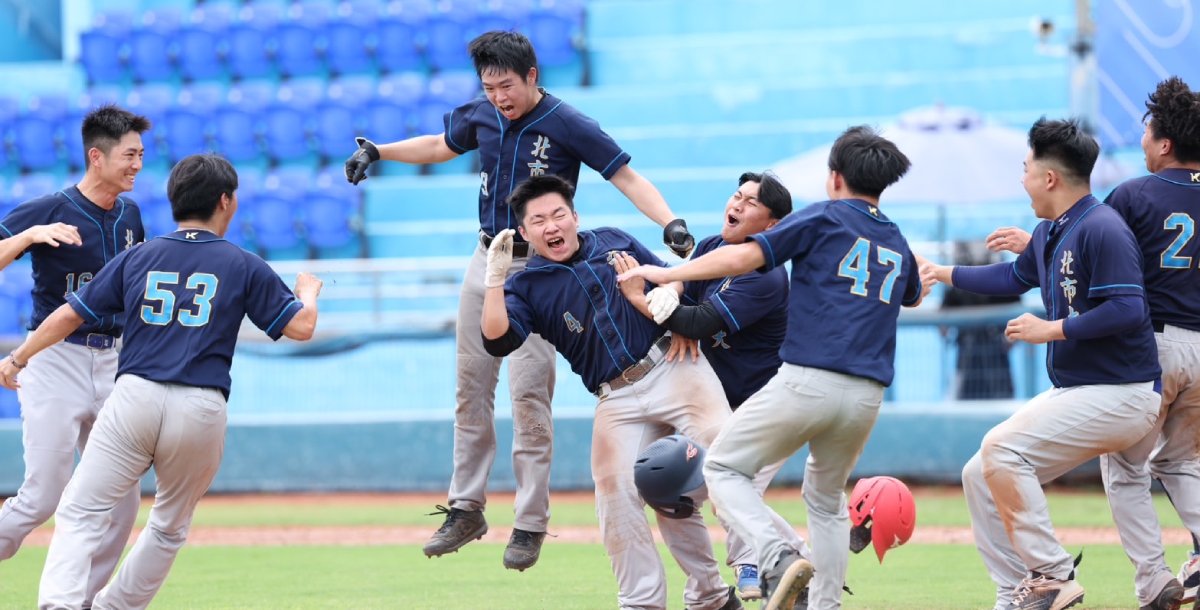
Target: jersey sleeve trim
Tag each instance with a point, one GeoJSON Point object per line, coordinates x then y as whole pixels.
{"type": "Point", "coordinates": [450, 139]}
{"type": "Point", "coordinates": [81, 308]}
{"type": "Point", "coordinates": [1021, 279]}
{"type": "Point", "coordinates": [768, 253]}
{"type": "Point", "coordinates": [620, 155]}
{"type": "Point", "coordinates": [276, 327]}
{"type": "Point", "coordinates": [7, 233]}
{"type": "Point", "coordinates": [520, 329]}
{"type": "Point", "coordinates": [728, 314]}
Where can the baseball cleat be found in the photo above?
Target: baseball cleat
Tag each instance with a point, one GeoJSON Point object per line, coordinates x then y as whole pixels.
{"type": "Point", "coordinates": [748, 586]}
{"type": "Point", "coordinates": [786, 581]}
{"type": "Point", "coordinates": [460, 527]}
{"type": "Point", "coordinates": [1040, 592]}
{"type": "Point", "coordinates": [523, 549]}
{"type": "Point", "coordinates": [1168, 598]}
{"type": "Point", "coordinates": [732, 602]}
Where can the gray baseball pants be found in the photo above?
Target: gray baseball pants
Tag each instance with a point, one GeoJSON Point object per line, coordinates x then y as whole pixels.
{"type": "Point", "coordinates": [1171, 450]}
{"type": "Point", "coordinates": [62, 391]}
{"type": "Point", "coordinates": [1053, 433]}
{"type": "Point", "coordinates": [680, 396]}
{"type": "Point", "coordinates": [178, 429]}
{"type": "Point", "coordinates": [833, 414]}
{"type": "Point", "coordinates": [531, 385]}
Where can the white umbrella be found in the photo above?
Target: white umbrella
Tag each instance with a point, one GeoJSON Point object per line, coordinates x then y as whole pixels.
{"type": "Point", "coordinates": [957, 158]}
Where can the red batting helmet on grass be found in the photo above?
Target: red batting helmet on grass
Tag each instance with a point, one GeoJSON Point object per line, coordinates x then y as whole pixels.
{"type": "Point", "coordinates": [882, 511]}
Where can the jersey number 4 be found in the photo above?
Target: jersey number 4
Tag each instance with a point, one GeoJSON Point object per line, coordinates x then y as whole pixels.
{"type": "Point", "coordinates": [856, 266]}
{"type": "Point", "coordinates": [160, 297]}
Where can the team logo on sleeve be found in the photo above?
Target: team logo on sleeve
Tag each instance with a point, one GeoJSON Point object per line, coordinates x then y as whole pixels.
{"type": "Point", "coordinates": [725, 284]}
{"type": "Point", "coordinates": [573, 324]}
{"type": "Point", "coordinates": [483, 179]}
{"type": "Point", "coordinates": [540, 146]}
{"type": "Point", "coordinates": [128, 238]}
{"type": "Point", "coordinates": [719, 340]}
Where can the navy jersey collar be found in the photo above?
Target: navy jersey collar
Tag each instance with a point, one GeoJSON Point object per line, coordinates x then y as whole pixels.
{"type": "Point", "coordinates": [870, 209]}
{"type": "Point", "coordinates": [194, 235]}
{"type": "Point", "coordinates": [1074, 213]}
{"type": "Point", "coordinates": [544, 106]}
{"type": "Point", "coordinates": [1180, 175]}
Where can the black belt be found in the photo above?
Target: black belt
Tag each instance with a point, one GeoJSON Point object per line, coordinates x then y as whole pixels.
{"type": "Point", "coordinates": [635, 373]}
{"type": "Point", "coordinates": [520, 248]}
{"type": "Point", "coordinates": [92, 340]}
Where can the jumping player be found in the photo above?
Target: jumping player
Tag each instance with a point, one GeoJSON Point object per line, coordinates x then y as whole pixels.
{"type": "Point", "coordinates": [520, 131]}
{"type": "Point", "coordinates": [183, 293]}
{"type": "Point", "coordinates": [741, 322]}
{"type": "Point", "coordinates": [64, 389]}
{"type": "Point", "coordinates": [1101, 361]}
{"type": "Point", "coordinates": [567, 294]}
{"type": "Point", "coordinates": [851, 272]}
{"type": "Point", "coordinates": [1159, 210]}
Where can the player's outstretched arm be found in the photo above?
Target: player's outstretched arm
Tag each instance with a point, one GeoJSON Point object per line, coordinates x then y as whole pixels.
{"type": "Point", "coordinates": [419, 150]}
{"type": "Point", "coordinates": [62, 322]}
{"type": "Point", "coordinates": [52, 234]}
{"type": "Point", "coordinates": [645, 196]}
{"type": "Point", "coordinates": [302, 326]}
{"type": "Point", "coordinates": [726, 260]}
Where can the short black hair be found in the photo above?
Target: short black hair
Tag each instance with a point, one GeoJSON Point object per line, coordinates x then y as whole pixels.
{"type": "Point", "coordinates": [867, 161]}
{"type": "Point", "coordinates": [771, 192]}
{"type": "Point", "coordinates": [1066, 143]}
{"type": "Point", "coordinates": [196, 185]}
{"type": "Point", "coordinates": [104, 127]}
{"type": "Point", "coordinates": [497, 51]}
{"type": "Point", "coordinates": [535, 187]}
{"type": "Point", "coordinates": [1174, 112]}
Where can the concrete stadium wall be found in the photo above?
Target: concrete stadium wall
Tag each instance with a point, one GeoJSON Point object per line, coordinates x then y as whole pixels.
{"type": "Point", "coordinates": [928, 444]}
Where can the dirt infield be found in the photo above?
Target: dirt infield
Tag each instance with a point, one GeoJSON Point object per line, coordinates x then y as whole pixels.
{"type": "Point", "coordinates": [391, 535]}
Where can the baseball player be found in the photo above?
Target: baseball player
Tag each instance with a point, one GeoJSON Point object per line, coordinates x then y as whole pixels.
{"type": "Point", "coordinates": [64, 389]}
{"type": "Point", "coordinates": [851, 272]}
{"type": "Point", "coordinates": [181, 298]}
{"type": "Point", "coordinates": [520, 131]}
{"type": "Point", "coordinates": [1158, 209]}
{"type": "Point", "coordinates": [1100, 357]}
{"type": "Point", "coordinates": [741, 322]}
{"type": "Point", "coordinates": [567, 293]}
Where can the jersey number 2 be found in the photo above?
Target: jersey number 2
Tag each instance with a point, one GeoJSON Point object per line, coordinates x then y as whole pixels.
{"type": "Point", "coordinates": [161, 308]}
{"type": "Point", "coordinates": [1170, 259]}
{"type": "Point", "coordinates": [856, 266]}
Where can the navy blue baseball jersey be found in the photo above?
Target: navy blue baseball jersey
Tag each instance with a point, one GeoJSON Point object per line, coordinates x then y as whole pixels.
{"type": "Point", "coordinates": [553, 138]}
{"type": "Point", "coordinates": [754, 306]}
{"type": "Point", "coordinates": [1161, 209]}
{"type": "Point", "coordinates": [578, 307]}
{"type": "Point", "coordinates": [851, 271]}
{"type": "Point", "coordinates": [59, 271]}
{"type": "Point", "coordinates": [183, 296]}
{"type": "Point", "coordinates": [1078, 260]}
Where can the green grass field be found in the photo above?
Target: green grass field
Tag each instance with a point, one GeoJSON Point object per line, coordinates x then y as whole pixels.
{"type": "Point", "coordinates": [569, 575]}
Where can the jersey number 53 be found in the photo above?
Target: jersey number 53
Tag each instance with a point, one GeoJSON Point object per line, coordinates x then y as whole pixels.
{"type": "Point", "coordinates": [160, 298]}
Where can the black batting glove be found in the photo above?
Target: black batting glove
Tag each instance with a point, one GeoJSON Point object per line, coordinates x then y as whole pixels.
{"type": "Point", "coordinates": [678, 239]}
{"type": "Point", "coordinates": [357, 164]}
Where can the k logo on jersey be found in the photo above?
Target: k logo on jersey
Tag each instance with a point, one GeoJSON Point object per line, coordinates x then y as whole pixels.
{"type": "Point", "coordinates": [1195, 176]}
{"type": "Point", "coordinates": [573, 324]}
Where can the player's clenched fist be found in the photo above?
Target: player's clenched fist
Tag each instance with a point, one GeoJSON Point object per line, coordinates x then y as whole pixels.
{"type": "Point", "coordinates": [678, 239]}
{"type": "Point", "coordinates": [307, 284]}
{"type": "Point", "coordinates": [1032, 329]}
{"type": "Point", "coordinates": [499, 259]}
{"type": "Point", "coordinates": [357, 164]}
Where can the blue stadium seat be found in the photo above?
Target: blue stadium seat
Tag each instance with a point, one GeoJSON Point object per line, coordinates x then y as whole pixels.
{"type": "Point", "coordinates": [103, 53]}
{"type": "Point", "coordinates": [503, 15]}
{"type": "Point", "coordinates": [205, 95]}
{"type": "Point", "coordinates": [35, 137]}
{"type": "Point", "coordinates": [187, 124]}
{"type": "Point", "coordinates": [10, 109]}
{"type": "Point", "coordinates": [151, 51]}
{"type": "Point", "coordinates": [330, 216]}
{"type": "Point", "coordinates": [271, 221]}
{"type": "Point", "coordinates": [553, 34]}
{"type": "Point", "coordinates": [156, 215]}
{"type": "Point", "coordinates": [299, 42]}
{"type": "Point", "coordinates": [445, 92]}
{"type": "Point", "coordinates": [359, 87]}
{"type": "Point", "coordinates": [28, 186]}
{"type": "Point", "coordinates": [199, 54]}
{"type": "Point", "coordinates": [335, 124]}
{"type": "Point", "coordinates": [235, 132]}
{"type": "Point", "coordinates": [346, 40]}
{"type": "Point", "coordinates": [70, 129]}
{"type": "Point", "coordinates": [253, 94]}
{"type": "Point", "coordinates": [396, 39]}
{"type": "Point", "coordinates": [447, 33]}
{"type": "Point", "coordinates": [249, 39]}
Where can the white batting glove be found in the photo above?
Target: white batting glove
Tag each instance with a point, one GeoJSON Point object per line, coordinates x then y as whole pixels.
{"type": "Point", "coordinates": [662, 301]}
{"type": "Point", "coordinates": [499, 259]}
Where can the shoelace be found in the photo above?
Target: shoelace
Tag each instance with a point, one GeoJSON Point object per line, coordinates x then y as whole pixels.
{"type": "Point", "coordinates": [452, 515]}
{"type": "Point", "coordinates": [1026, 588]}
